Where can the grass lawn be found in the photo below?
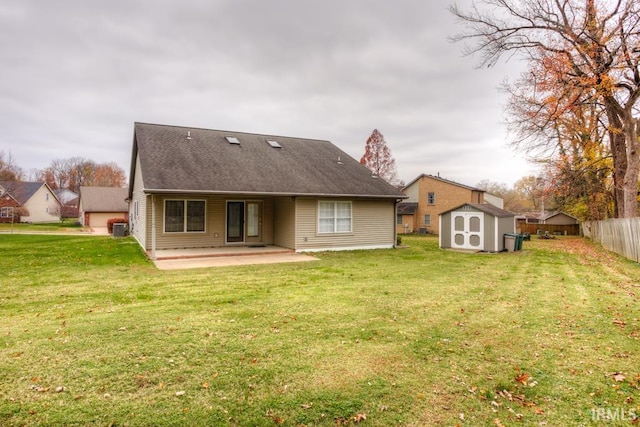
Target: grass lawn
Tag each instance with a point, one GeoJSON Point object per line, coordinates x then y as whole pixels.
{"type": "Point", "coordinates": [66, 226]}
{"type": "Point", "coordinates": [92, 334]}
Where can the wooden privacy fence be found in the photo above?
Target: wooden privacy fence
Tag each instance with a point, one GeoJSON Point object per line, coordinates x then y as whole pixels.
{"type": "Point", "coordinates": [621, 236]}
{"type": "Point", "coordinates": [569, 229]}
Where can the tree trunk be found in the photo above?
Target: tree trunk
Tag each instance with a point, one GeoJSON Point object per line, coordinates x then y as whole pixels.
{"type": "Point", "coordinates": [630, 182]}
{"type": "Point", "coordinates": [619, 155]}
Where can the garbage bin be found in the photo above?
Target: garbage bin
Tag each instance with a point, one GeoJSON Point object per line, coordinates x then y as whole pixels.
{"type": "Point", "coordinates": [510, 242]}
{"type": "Point", "coordinates": [519, 239]}
{"type": "Point", "coordinates": [119, 229]}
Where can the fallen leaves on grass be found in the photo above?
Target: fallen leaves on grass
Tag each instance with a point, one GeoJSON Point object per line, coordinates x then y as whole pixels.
{"type": "Point", "coordinates": [523, 378]}
{"type": "Point", "coordinates": [618, 376]}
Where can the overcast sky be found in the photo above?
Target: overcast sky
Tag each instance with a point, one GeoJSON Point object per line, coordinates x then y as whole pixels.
{"type": "Point", "coordinates": [76, 74]}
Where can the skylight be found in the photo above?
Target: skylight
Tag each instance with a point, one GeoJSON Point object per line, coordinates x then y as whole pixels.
{"type": "Point", "coordinates": [273, 143]}
{"type": "Point", "coordinates": [232, 140]}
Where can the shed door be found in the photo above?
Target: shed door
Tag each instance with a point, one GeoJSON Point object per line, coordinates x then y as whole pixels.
{"type": "Point", "coordinates": [467, 230]}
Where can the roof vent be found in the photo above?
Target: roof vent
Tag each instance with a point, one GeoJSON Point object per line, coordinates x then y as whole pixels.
{"type": "Point", "coordinates": [273, 143]}
{"type": "Point", "coordinates": [339, 161]}
{"type": "Point", "coordinates": [232, 140]}
{"type": "Point", "coordinates": [188, 134]}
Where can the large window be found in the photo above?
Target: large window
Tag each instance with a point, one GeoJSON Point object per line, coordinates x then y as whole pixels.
{"type": "Point", "coordinates": [334, 217]}
{"type": "Point", "coordinates": [184, 216]}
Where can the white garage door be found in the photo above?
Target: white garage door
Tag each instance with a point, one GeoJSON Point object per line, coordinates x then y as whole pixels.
{"type": "Point", "coordinates": [467, 230]}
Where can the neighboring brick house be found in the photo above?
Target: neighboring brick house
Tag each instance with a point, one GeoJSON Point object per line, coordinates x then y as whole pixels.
{"type": "Point", "coordinates": [28, 202]}
{"type": "Point", "coordinates": [433, 196]}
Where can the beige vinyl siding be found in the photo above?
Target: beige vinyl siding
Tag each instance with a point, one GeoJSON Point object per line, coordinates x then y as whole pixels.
{"type": "Point", "coordinates": [373, 225]}
{"type": "Point", "coordinates": [99, 219]}
{"type": "Point", "coordinates": [42, 208]}
{"type": "Point", "coordinates": [215, 225]}
{"type": "Point", "coordinates": [413, 192]}
{"type": "Point", "coordinates": [284, 222]}
{"type": "Point", "coordinates": [138, 219]}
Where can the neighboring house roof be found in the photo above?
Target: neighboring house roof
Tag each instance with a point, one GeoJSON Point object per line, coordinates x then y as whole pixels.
{"type": "Point", "coordinates": [442, 180]}
{"type": "Point", "coordinates": [548, 215]}
{"type": "Point", "coordinates": [22, 191]}
{"type": "Point", "coordinates": [104, 199]}
{"type": "Point", "coordinates": [486, 208]}
{"type": "Point", "coordinates": [182, 159]}
{"type": "Point", "coordinates": [406, 208]}
{"type": "Point", "coordinates": [65, 195]}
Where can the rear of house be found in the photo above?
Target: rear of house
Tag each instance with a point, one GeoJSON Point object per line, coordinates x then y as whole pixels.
{"type": "Point", "coordinates": [198, 188]}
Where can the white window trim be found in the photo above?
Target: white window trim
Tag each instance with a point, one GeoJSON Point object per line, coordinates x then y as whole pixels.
{"type": "Point", "coordinates": [335, 204]}
{"type": "Point", "coordinates": [184, 225]}
{"type": "Point", "coordinates": [424, 219]}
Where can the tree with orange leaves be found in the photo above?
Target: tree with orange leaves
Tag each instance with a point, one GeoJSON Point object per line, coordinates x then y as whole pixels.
{"type": "Point", "coordinates": [580, 53]}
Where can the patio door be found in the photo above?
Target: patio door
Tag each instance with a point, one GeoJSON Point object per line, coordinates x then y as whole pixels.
{"type": "Point", "coordinates": [244, 221]}
{"type": "Point", "coordinates": [467, 230]}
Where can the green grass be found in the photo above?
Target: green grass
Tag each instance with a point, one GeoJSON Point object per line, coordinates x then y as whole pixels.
{"type": "Point", "coordinates": [67, 225]}
{"type": "Point", "coordinates": [415, 336]}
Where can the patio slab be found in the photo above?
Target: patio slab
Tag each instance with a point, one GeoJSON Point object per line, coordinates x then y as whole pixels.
{"type": "Point", "coordinates": [230, 260]}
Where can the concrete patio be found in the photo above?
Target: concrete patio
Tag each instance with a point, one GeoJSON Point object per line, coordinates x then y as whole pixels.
{"type": "Point", "coordinates": [174, 259]}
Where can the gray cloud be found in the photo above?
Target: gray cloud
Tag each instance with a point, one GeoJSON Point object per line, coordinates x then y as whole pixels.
{"type": "Point", "coordinates": [76, 74]}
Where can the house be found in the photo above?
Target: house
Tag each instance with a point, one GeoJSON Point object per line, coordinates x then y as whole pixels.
{"type": "Point", "coordinates": [558, 218]}
{"type": "Point", "coordinates": [33, 202]}
{"type": "Point", "coordinates": [198, 188]}
{"type": "Point", "coordinates": [98, 205]}
{"type": "Point", "coordinates": [475, 226]}
{"type": "Point", "coordinates": [405, 215]}
{"type": "Point", "coordinates": [435, 195]}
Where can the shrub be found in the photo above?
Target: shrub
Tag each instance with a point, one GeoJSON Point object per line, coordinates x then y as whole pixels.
{"type": "Point", "coordinates": [112, 221]}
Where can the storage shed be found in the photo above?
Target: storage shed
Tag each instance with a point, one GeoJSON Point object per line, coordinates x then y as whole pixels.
{"type": "Point", "coordinates": [475, 226]}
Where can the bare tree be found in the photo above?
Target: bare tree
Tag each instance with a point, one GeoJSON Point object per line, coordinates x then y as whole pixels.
{"type": "Point", "coordinates": [9, 171]}
{"type": "Point", "coordinates": [75, 172]}
{"type": "Point", "coordinates": [597, 47]}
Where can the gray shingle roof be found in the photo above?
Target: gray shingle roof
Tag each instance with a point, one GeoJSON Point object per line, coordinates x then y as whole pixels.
{"type": "Point", "coordinates": [406, 208]}
{"type": "Point", "coordinates": [104, 199]}
{"type": "Point", "coordinates": [20, 190]}
{"type": "Point", "coordinates": [182, 159]}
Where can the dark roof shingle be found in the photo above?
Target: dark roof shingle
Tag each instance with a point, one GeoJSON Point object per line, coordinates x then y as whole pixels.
{"type": "Point", "coordinates": [104, 199]}
{"type": "Point", "coordinates": [20, 190]}
{"type": "Point", "coordinates": [174, 158]}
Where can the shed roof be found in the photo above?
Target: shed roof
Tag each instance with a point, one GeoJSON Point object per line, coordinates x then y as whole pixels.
{"type": "Point", "coordinates": [104, 199]}
{"type": "Point", "coordinates": [486, 208]}
{"type": "Point", "coordinates": [182, 159]}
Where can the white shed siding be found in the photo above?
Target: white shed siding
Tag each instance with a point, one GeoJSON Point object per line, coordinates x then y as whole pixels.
{"type": "Point", "coordinates": [373, 226]}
